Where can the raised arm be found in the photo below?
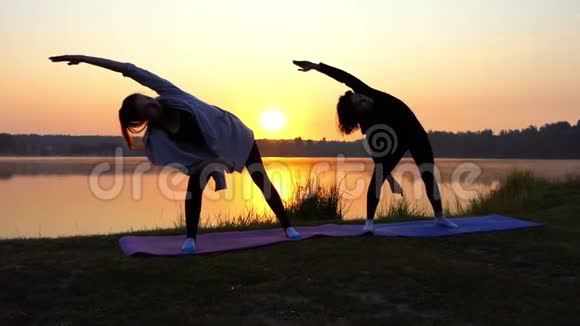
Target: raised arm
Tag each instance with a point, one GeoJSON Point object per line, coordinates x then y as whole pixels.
{"type": "Point", "coordinates": [100, 62]}
{"type": "Point", "coordinates": [339, 75]}
{"type": "Point", "coordinates": [142, 76]}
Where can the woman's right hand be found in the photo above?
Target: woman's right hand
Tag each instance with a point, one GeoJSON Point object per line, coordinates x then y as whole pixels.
{"type": "Point", "coordinates": [305, 65]}
{"type": "Point", "coordinates": [72, 59]}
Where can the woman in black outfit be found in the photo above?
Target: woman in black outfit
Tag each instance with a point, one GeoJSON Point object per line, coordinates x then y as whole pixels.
{"type": "Point", "coordinates": [391, 129]}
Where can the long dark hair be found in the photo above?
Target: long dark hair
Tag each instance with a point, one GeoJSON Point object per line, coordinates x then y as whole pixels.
{"type": "Point", "coordinates": [131, 122]}
{"type": "Point", "coordinates": [347, 115]}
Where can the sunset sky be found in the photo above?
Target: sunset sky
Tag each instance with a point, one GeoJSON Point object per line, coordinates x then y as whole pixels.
{"type": "Point", "coordinates": [460, 65]}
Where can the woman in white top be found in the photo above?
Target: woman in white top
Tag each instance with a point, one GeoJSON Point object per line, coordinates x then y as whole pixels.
{"type": "Point", "coordinates": [180, 130]}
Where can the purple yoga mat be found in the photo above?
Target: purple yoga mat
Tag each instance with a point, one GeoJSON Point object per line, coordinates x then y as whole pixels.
{"type": "Point", "coordinates": [237, 240]}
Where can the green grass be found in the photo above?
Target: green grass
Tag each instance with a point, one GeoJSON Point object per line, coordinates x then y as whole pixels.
{"type": "Point", "coordinates": [314, 202]}
{"type": "Point", "coordinates": [526, 277]}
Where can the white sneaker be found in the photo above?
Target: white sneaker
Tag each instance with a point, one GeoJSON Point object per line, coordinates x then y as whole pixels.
{"type": "Point", "coordinates": [291, 233]}
{"type": "Point", "coordinates": [369, 226]}
{"type": "Point", "coordinates": [188, 246]}
{"type": "Point", "coordinates": [445, 222]}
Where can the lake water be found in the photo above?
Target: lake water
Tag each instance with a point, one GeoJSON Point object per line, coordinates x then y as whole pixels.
{"type": "Point", "coordinates": [49, 197]}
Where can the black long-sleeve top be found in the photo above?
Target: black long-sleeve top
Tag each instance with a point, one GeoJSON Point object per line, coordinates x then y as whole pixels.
{"type": "Point", "coordinates": [387, 109]}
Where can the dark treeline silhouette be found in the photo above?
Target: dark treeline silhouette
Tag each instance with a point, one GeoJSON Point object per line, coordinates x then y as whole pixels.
{"type": "Point", "coordinates": [558, 140]}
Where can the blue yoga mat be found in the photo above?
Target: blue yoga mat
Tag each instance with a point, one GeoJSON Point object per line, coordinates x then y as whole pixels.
{"type": "Point", "coordinates": [237, 240]}
{"type": "Point", "coordinates": [426, 229]}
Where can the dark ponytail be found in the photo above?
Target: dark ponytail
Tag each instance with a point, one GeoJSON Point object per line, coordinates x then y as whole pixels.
{"type": "Point", "coordinates": [131, 122]}
{"type": "Point", "coordinates": [347, 115]}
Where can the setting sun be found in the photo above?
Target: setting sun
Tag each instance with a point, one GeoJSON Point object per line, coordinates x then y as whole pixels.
{"type": "Point", "coordinates": [273, 120]}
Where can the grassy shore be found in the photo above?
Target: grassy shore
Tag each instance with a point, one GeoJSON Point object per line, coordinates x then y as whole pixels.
{"type": "Point", "coordinates": [523, 277]}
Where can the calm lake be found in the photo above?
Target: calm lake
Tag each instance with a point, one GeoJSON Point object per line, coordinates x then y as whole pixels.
{"type": "Point", "coordinates": [50, 197]}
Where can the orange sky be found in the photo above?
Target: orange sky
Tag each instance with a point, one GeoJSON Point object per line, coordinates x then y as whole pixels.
{"type": "Point", "coordinates": [459, 65]}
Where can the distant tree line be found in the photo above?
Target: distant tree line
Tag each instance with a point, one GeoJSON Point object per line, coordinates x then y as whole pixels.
{"type": "Point", "coordinates": [558, 140]}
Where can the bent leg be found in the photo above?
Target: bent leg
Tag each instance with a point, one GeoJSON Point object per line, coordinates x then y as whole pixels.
{"type": "Point", "coordinates": [395, 186]}
{"type": "Point", "coordinates": [382, 170]}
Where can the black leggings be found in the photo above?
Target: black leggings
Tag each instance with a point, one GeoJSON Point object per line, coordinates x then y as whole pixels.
{"type": "Point", "coordinates": [422, 154]}
{"type": "Point", "coordinates": [257, 171]}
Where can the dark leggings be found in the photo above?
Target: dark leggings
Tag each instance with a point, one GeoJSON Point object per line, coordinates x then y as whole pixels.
{"type": "Point", "coordinates": [422, 154]}
{"type": "Point", "coordinates": [257, 171]}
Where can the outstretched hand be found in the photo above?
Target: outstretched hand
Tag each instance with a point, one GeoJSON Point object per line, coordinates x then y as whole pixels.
{"type": "Point", "coordinates": [305, 65]}
{"type": "Point", "coordinates": [72, 59]}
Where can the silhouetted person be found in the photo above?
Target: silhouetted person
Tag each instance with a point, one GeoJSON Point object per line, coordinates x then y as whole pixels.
{"type": "Point", "coordinates": [182, 130]}
{"type": "Point", "coordinates": [391, 129]}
